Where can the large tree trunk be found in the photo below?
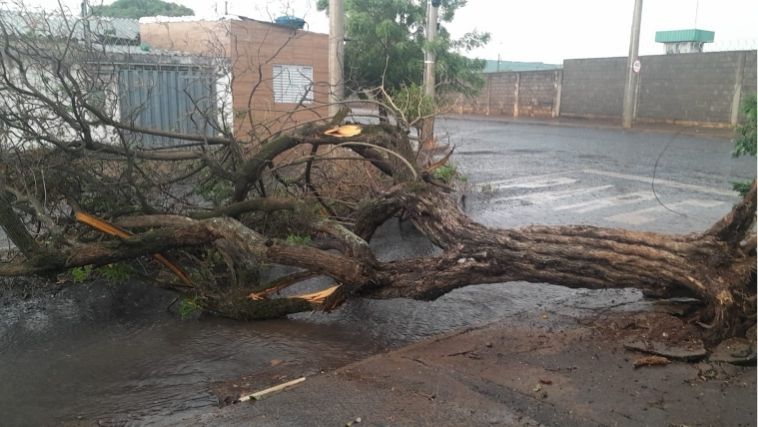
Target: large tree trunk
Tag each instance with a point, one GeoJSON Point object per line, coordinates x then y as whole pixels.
{"type": "Point", "coordinates": [717, 267]}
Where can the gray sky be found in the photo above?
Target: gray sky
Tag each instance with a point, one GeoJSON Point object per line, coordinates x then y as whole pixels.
{"type": "Point", "coordinates": [545, 30]}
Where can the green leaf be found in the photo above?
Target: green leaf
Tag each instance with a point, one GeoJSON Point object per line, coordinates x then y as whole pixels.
{"type": "Point", "coordinates": [81, 274]}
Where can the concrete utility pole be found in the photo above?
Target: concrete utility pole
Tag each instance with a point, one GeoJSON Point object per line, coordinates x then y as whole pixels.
{"type": "Point", "coordinates": [336, 55]}
{"type": "Point", "coordinates": [429, 56]}
{"type": "Point", "coordinates": [85, 12]}
{"type": "Point", "coordinates": [630, 93]}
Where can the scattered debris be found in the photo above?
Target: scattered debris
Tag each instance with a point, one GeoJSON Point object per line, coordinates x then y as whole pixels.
{"type": "Point", "coordinates": [546, 382]}
{"type": "Point", "coordinates": [471, 354]}
{"type": "Point", "coordinates": [690, 351]}
{"type": "Point", "coordinates": [110, 229]}
{"type": "Point", "coordinates": [734, 350]}
{"type": "Point", "coordinates": [344, 131]}
{"type": "Point", "coordinates": [650, 361]}
{"type": "Point", "coordinates": [355, 421]}
{"type": "Point", "coordinates": [258, 395]}
{"type": "Point", "coordinates": [317, 297]}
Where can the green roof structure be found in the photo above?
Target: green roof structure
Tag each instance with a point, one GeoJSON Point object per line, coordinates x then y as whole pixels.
{"type": "Point", "coordinates": [495, 66]}
{"type": "Point", "coordinates": [679, 36]}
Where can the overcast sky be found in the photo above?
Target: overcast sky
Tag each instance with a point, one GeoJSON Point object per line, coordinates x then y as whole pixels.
{"type": "Point", "coordinates": [545, 30]}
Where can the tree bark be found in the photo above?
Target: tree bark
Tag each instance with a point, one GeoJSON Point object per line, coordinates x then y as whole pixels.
{"type": "Point", "coordinates": [717, 267]}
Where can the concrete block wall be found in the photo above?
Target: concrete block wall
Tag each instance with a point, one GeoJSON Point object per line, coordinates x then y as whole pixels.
{"type": "Point", "coordinates": [515, 94]}
{"type": "Point", "coordinates": [537, 93]}
{"type": "Point", "coordinates": [478, 105]}
{"type": "Point", "coordinates": [502, 94]}
{"type": "Point", "coordinates": [689, 88]}
{"type": "Point", "coordinates": [593, 88]}
{"type": "Point", "coordinates": [700, 89]}
{"type": "Point", "coordinates": [750, 75]}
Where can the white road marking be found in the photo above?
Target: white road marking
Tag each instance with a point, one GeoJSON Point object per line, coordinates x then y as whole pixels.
{"type": "Point", "coordinates": [608, 202]}
{"type": "Point", "coordinates": [665, 182]}
{"type": "Point", "coordinates": [549, 196]}
{"type": "Point", "coordinates": [534, 181]}
{"type": "Point", "coordinates": [644, 216]}
{"type": "Point", "coordinates": [539, 183]}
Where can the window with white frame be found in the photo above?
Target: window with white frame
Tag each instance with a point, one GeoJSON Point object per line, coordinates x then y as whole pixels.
{"type": "Point", "coordinates": [293, 84]}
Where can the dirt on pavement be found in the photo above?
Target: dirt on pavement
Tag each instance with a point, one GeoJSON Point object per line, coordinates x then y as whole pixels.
{"type": "Point", "coordinates": [538, 370]}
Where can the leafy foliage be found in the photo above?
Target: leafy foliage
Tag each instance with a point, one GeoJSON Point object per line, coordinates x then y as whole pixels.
{"type": "Point", "coordinates": [412, 103]}
{"type": "Point", "coordinates": [213, 189]}
{"type": "Point", "coordinates": [81, 274]}
{"type": "Point", "coordinates": [189, 306]}
{"type": "Point", "coordinates": [386, 46]}
{"type": "Point", "coordinates": [135, 9]}
{"type": "Point", "coordinates": [448, 172]}
{"type": "Point", "coordinates": [745, 138]}
{"type": "Point", "coordinates": [295, 239]}
{"type": "Point", "coordinates": [117, 272]}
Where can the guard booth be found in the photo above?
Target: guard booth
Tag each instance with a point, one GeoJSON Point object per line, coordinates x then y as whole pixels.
{"type": "Point", "coordinates": [684, 41]}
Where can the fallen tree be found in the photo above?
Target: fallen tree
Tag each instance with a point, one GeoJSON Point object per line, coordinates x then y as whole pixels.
{"type": "Point", "coordinates": [717, 266]}
{"type": "Point", "coordinates": [220, 209]}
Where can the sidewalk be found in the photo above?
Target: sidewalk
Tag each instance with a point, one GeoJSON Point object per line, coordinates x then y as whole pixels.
{"type": "Point", "coordinates": [534, 371]}
{"type": "Point", "coordinates": [699, 131]}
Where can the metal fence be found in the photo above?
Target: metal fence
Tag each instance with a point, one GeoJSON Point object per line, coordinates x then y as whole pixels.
{"type": "Point", "coordinates": [173, 98]}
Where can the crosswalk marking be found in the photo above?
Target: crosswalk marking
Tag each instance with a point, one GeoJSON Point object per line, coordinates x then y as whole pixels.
{"type": "Point", "coordinates": [560, 189]}
{"type": "Point", "coordinates": [539, 183]}
{"type": "Point", "coordinates": [644, 216]}
{"type": "Point", "coordinates": [664, 182]}
{"type": "Point", "coordinates": [534, 181]}
{"type": "Point", "coordinates": [608, 202]}
{"type": "Point", "coordinates": [549, 196]}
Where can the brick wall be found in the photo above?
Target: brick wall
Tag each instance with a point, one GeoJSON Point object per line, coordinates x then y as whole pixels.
{"type": "Point", "coordinates": [537, 93]}
{"type": "Point", "coordinates": [253, 49]}
{"type": "Point", "coordinates": [256, 48]}
{"type": "Point", "coordinates": [199, 37]}
{"type": "Point", "coordinates": [522, 94]}
{"type": "Point", "coordinates": [502, 93]}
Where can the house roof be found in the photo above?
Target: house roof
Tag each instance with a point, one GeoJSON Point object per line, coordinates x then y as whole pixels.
{"type": "Point", "coordinates": [494, 66]}
{"type": "Point", "coordinates": [213, 18]}
{"type": "Point", "coordinates": [691, 35]}
{"type": "Point", "coordinates": [57, 24]}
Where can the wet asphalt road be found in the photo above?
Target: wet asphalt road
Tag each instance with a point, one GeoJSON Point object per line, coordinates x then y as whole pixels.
{"type": "Point", "coordinates": [521, 174]}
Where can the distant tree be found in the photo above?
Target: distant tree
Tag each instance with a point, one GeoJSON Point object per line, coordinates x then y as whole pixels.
{"type": "Point", "coordinates": [136, 9]}
{"type": "Point", "coordinates": [386, 46]}
{"type": "Point", "coordinates": [745, 137]}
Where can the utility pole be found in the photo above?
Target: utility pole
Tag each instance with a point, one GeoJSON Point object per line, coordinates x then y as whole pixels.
{"type": "Point", "coordinates": [426, 134]}
{"type": "Point", "coordinates": [85, 12]}
{"type": "Point", "coordinates": [632, 69]}
{"type": "Point", "coordinates": [336, 55]}
{"type": "Point", "coordinates": [429, 56]}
